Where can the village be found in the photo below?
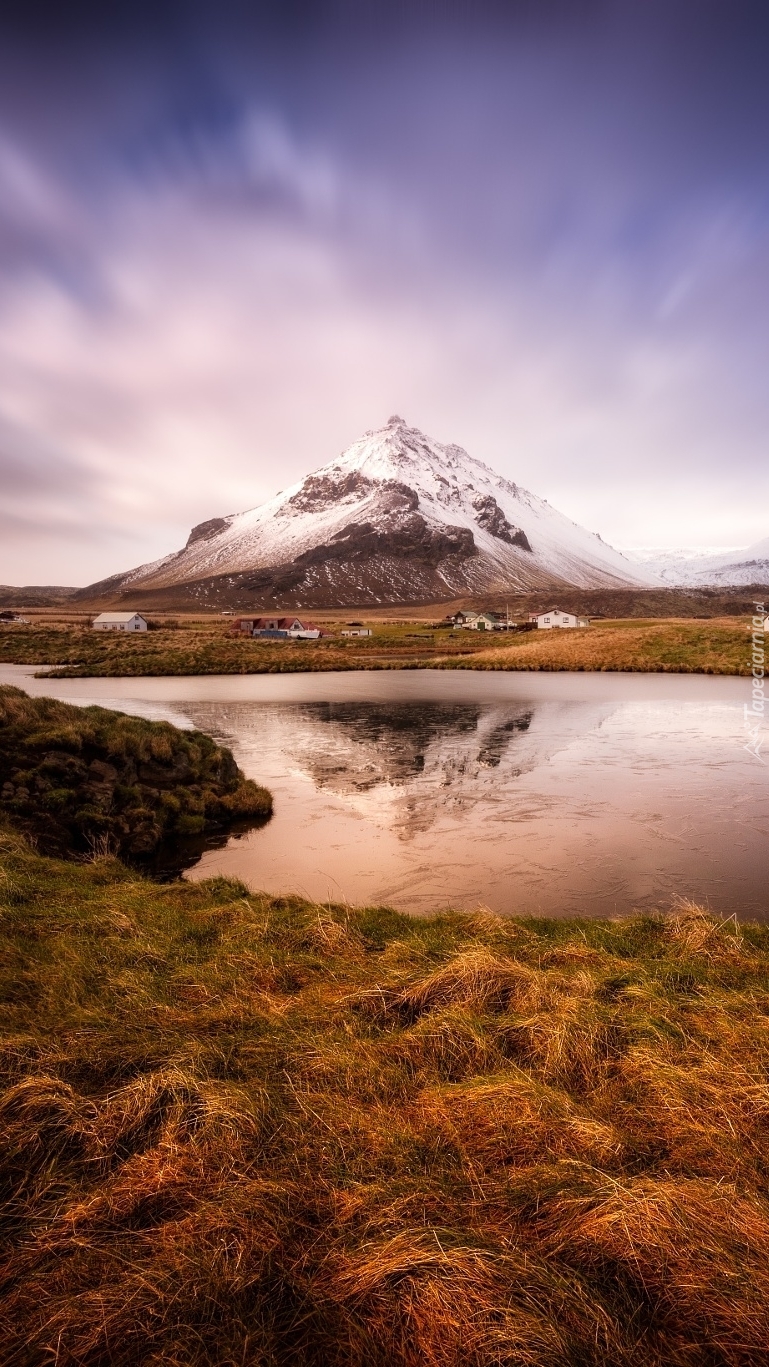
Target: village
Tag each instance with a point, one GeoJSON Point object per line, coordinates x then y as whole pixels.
{"type": "Point", "coordinates": [300, 629]}
{"type": "Point", "coordinates": [497, 621]}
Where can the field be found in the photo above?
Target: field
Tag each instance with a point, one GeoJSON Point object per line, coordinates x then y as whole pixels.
{"type": "Point", "coordinates": [206, 646]}
{"type": "Point", "coordinates": [681, 647]}
{"type": "Point", "coordinates": [244, 1130]}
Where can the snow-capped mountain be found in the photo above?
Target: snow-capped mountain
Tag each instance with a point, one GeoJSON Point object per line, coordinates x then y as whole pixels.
{"type": "Point", "coordinates": [397, 518]}
{"type": "Point", "coordinates": [736, 568]}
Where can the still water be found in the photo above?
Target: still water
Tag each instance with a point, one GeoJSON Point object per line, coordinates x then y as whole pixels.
{"type": "Point", "coordinates": [535, 794]}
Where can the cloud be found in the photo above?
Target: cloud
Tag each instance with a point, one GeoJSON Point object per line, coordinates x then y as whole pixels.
{"type": "Point", "coordinates": [533, 263]}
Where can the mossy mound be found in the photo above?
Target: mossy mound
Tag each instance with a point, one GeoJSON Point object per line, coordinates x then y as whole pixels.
{"type": "Point", "coordinates": [85, 779]}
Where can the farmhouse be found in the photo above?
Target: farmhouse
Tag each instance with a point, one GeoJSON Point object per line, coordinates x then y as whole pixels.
{"type": "Point", "coordinates": [119, 621]}
{"type": "Point", "coordinates": [480, 621]}
{"type": "Point", "coordinates": [277, 627]}
{"type": "Point", "coordinates": [555, 618]}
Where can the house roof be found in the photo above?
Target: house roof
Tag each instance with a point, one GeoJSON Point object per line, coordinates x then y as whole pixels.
{"type": "Point", "coordinates": [117, 616]}
{"type": "Point", "coordinates": [282, 623]}
{"type": "Point", "coordinates": [495, 615]}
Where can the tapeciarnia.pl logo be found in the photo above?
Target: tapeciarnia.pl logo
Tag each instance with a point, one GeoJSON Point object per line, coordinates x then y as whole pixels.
{"type": "Point", "coordinates": [753, 712]}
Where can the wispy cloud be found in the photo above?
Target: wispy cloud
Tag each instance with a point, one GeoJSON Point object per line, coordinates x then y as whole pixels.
{"type": "Point", "coordinates": [493, 241]}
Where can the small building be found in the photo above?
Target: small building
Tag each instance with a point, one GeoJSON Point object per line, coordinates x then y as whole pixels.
{"type": "Point", "coordinates": [277, 628]}
{"type": "Point", "coordinates": [465, 621]}
{"type": "Point", "coordinates": [555, 618]}
{"type": "Point", "coordinates": [479, 621]}
{"type": "Point", "coordinates": [356, 631]}
{"type": "Point", "coordinates": [119, 621]}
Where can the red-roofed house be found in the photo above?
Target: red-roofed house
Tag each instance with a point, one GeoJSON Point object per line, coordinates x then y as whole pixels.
{"type": "Point", "coordinates": [277, 627]}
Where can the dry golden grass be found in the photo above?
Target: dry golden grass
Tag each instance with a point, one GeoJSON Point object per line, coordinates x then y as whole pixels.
{"type": "Point", "coordinates": [681, 645]}
{"type": "Point", "coordinates": [716, 646]}
{"type": "Point", "coordinates": [246, 1130]}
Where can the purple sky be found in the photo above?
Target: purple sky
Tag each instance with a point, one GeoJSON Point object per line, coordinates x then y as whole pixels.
{"type": "Point", "coordinates": [234, 236]}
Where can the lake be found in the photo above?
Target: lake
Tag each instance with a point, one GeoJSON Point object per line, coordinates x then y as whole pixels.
{"type": "Point", "coordinates": [528, 793]}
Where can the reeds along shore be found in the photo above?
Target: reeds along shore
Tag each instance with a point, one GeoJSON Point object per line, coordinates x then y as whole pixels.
{"type": "Point", "coordinates": [243, 1130]}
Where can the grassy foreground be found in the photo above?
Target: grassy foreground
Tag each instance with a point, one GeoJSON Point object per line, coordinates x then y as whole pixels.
{"type": "Point", "coordinates": [684, 645]}
{"type": "Point", "coordinates": [244, 1130]}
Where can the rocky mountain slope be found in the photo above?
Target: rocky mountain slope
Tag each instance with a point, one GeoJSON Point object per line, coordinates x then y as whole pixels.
{"type": "Point", "coordinates": [398, 518]}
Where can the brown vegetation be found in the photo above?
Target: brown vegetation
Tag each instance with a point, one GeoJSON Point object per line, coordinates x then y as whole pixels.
{"type": "Point", "coordinates": [245, 1130]}
{"type": "Point", "coordinates": [685, 645]}
{"type": "Point", "coordinates": [679, 647]}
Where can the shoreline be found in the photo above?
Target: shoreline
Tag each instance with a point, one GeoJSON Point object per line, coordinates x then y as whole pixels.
{"type": "Point", "coordinates": [671, 646]}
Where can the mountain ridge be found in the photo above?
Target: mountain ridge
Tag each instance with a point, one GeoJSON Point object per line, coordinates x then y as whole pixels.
{"type": "Point", "coordinates": [396, 518]}
{"type": "Point", "coordinates": [741, 567]}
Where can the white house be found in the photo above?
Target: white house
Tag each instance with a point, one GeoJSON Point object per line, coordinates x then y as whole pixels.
{"type": "Point", "coordinates": [119, 621]}
{"type": "Point", "coordinates": [555, 618]}
{"type": "Point", "coordinates": [356, 631]}
{"type": "Point", "coordinates": [478, 621]}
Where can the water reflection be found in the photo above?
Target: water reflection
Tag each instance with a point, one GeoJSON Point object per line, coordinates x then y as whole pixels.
{"type": "Point", "coordinates": [355, 747]}
{"type": "Point", "coordinates": [540, 794]}
{"type": "Point", "coordinates": [537, 806]}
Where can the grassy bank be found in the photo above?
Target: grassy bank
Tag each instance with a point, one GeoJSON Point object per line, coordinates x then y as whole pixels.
{"type": "Point", "coordinates": [80, 779]}
{"type": "Point", "coordinates": [686, 645]}
{"type": "Point", "coordinates": [238, 1129]}
{"type": "Point", "coordinates": [683, 647]}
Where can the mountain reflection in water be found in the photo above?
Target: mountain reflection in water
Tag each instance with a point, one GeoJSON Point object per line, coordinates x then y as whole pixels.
{"type": "Point", "coordinates": [534, 806]}
{"type": "Point", "coordinates": [359, 746]}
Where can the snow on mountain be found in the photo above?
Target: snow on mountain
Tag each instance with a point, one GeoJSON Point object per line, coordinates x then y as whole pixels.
{"type": "Point", "coordinates": [734, 568]}
{"type": "Point", "coordinates": [396, 518]}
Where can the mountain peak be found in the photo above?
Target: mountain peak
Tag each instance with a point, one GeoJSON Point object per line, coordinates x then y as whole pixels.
{"type": "Point", "coordinates": [396, 518]}
{"type": "Point", "coordinates": [397, 451]}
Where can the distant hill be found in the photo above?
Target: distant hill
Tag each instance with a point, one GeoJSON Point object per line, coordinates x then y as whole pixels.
{"type": "Point", "coordinates": [34, 595]}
